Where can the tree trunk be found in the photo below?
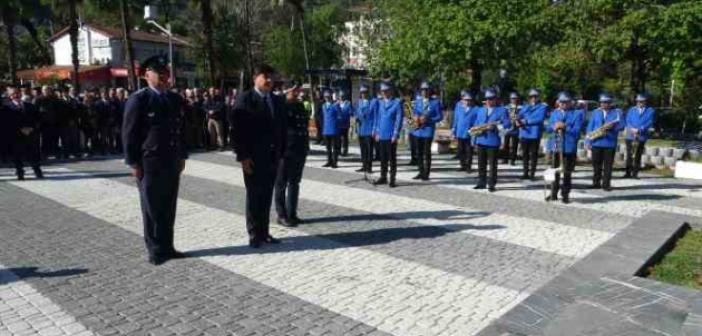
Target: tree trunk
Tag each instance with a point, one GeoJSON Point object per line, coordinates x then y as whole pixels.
{"type": "Point", "coordinates": [29, 26]}
{"type": "Point", "coordinates": [249, 48]}
{"type": "Point", "coordinates": [206, 8]}
{"type": "Point", "coordinates": [73, 31]}
{"type": "Point", "coordinates": [476, 77]}
{"type": "Point", "coordinates": [128, 50]}
{"type": "Point", "coordinates": [12, 51]}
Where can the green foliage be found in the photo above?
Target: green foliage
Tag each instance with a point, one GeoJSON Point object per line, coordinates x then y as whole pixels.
{"type": "Point", "coordinates": [324, 25]}
{"type": "Point", "coordinates": [284, 51]}
{"type": "Point", "coordinates": [683, 265]}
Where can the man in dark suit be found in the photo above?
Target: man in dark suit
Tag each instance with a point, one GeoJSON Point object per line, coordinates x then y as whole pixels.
{"type": "Point", "coordinates": [153, 134]}
{"type": "Point", "coordinates": [259, 140]}
{"type": "Point", "coordinates": [24, 121]}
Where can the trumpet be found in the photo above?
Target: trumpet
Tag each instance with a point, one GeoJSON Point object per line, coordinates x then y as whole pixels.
{"type": "Point", "coordinates": [602, 130]}
{"type": "Point", "coordinates": [480, 129]}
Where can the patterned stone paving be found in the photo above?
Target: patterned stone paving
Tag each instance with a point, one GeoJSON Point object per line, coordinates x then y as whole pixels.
{"type": "Point", "coordinates": [432, 258]}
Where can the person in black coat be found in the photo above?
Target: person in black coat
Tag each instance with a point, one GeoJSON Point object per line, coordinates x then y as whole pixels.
{"type": "Point", "coordinates": [25, 120]}
{"type": "Point", "coordinates": [259, 127]}
{"type": "Point", "coordinates": [153, 134]}
{"type": "Point", "coordinates": [293, 161]}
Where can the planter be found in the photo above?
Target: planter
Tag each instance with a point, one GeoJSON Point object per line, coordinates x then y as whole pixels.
{"type": "Point", "coordinates": [691, 170]}
{"type": "Point", "coordinates": [441, 146]}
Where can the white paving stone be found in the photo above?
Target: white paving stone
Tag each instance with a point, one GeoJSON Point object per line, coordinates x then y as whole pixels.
{"type": "Point", "coordinates": [25, 311]}
{"type": "Point", "coordinates": [542, 235]}
{"type": "Point", "coordinates": [368, 286]}
{"type": "Point", "coordinates": [627, 207]}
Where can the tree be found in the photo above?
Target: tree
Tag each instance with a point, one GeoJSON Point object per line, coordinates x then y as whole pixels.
{"type": "Point", "coordinates": [69, 10]}
{"type": "Point", "coordinates": [10, 13]}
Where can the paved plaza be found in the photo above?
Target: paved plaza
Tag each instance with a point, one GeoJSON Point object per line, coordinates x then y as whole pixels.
{"type": "Point", "coordinates": [423, 259]}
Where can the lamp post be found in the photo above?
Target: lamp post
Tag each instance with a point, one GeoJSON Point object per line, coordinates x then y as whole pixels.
{"type": "Point", "coordinates": [150, 17]}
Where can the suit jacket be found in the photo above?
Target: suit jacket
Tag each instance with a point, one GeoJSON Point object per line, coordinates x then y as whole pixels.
{"type": "Point", "coordinates": [259, 134]}
{"type": "Point", "coordinates": [153, 132]}
{"type": "Point", "coordinates": [17, 118]}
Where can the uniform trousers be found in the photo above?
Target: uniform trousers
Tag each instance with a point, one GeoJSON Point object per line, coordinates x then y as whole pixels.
{"type": "Point", "coordinates": [465, 154]}
{"type": "Point", "coordinates": [158, 195]}
{"type": "Point", "coordinates": [530, 156]}
{"type": "Point", "coordinates": [602, 161]}
{"type": "Point", "coordinates": [569, 160]}
{"type": "Point", "coordinates": [287, 186]}
{"type": "Point", "coordinates": [487, 155]}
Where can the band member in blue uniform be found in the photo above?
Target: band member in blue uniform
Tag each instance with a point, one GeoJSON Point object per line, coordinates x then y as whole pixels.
{"type": "Point", "coordinates": [489, 121]}
{"type": "Point", "coordinates": [331, 116]}
{"type": "Point", "coordinates": [287, 183]}
{"type": "Point", "coordinates": [639, 119]}
{"type": "Point", "coordinates": [386, 131]}
{"type": "Point", "coordinates": [260, 135]}
{"type": "Point", "coordinates": [512, 135]}
{"type": "Point", "coordinates": [463, 115]}
{"type": "Point", "coordinates": [153, 135]}
{"type": "Point", "coordinates": [345, 114]}
{"type": "Point", "coordinates": [22, 122]}
{"type": "Point", "coordinates": [602, 132]}
{"type": "Point", "coordinates": [531, 125]}
{"type": "Point", "coordinates": [365, 116]}
{"type": "Point", "coordinates": [564, 125]}
{"type": "Point", "coordinates": [427, 112]}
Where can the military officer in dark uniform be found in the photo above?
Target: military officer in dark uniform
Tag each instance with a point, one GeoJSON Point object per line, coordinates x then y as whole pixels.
{"type": "Point", "coordinates": [24, 121]}
{"type": "Point", "coordinates": [153, 135]}
{"type": "Point", "coordinates": [293, 161]}
{"type": "Point", "coordinates": [260, 134]}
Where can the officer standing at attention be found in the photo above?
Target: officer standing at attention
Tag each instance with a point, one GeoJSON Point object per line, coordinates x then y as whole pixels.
{"type": "Point", "coordinates": [512, 135]}
{"type": "Point", "coordinates": [531, 122]}
{"type": "Point", "coordinates": [602, 133]}
{"type": "Point", "coordinates": [639, 119]}
{"type": "Point", "coordinates": [463, 115]}
{"type": "Point", "coordinates": [564, 125]}
{"type": "Point", "coordinates": [293, 161]}
{"type": "Point", "coordinates": [427, 112]}
{"type": "Point", "coordinates": [365, 116]}
{"type": "Point", "coordinates": [489, 121]}
{"type": "Point", "coordinates": [386, 131]}
{"type": "Point", "coordinates": [153, 135]}
{"type": "Point", "coordinates": [346, 112]}
{"type": "Point", "coordinates": [23, 122]}
{"type": "Point", "coordinates": [331, 116]}
{"type": "Point", "coordinates": [260, 134]}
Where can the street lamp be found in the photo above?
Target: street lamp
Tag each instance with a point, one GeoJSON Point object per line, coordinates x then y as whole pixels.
{"type": "Point", "coordinates": [150, 14]}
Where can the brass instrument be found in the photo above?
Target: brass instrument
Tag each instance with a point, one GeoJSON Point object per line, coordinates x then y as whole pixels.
{"type": "Point", "coordinates": [513, 116]}
{"type": "Point", "coordinates": [480, 129]}
{"type": "Point", "coordinates": [602, 130]}
{"type": "Point", "coordinates": [407, 109]}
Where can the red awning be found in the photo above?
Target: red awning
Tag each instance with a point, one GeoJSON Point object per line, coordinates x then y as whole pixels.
{"type": "Point", "coordinates": [63, 72]}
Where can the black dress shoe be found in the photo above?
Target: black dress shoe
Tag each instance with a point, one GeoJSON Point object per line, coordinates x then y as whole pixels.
{"type": "Point", "coordinates": [254, 243]}
{"type": "Point", "coordinates": [39, 174]}
{"type": "Point", "coordinates": [413, 163]}
{"type": "Point", "coordinates": [284, 222]}
{"type": "Point", "coordinates": [392, 184]}
{"type": "Point", "coordinates": [479, 187]}
{"type": "Point", "coordinates": [595, 186]}
{"type": "Point", "coordinates": [607, 188]}
{"type": "Point", "coordinates": [157, 260]}
{"type": "Point", "coordinates": [425, 178]}
{"type": "Point", "coordinates": [627, 175]}
{"type": "Point", "coordinates": [551, 198]}
{"type": "Point", "coordinates": [461, 169]}
{"type": "Point", "coordinates": [565, 200]}
{"type": "Point", "coordinates": [380, 181]}
{"type": "Point", "coordinates": [360, 170]}
{"type": "Point", "coordinates": [469, 171]}
{"type": "Point", "coordinates": [20, 177]}
{"type": "Point", "coordinates": [295, 221]}
{"type": "Point", "coordinates": [419, 176]}
{"type": "Point", "coordinates": [524, 177]}
{"type": "Point", "coordinates": [327, 165]}
{"type": "Point", "coordinates": [271, 240]}
{"type": "Point", "coordinates": [492, 189]}
{"type": "Point", "coordinates": [175, 254]}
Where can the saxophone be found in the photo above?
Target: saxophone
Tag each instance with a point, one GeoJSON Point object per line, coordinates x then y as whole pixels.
{"type": "Point", "coordinates": [425, 114]}
{"type": "Point", "coordinates": [407, 109]}
{"type": "Point", "coordinates": [602, 130]}
{"type": "Point", "coordinates": [480, 129]}
{"type": "Point", "coordinates": [513, 116]}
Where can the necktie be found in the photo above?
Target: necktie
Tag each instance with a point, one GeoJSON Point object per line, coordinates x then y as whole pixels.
{"type": "Point", "coordinates": [267, 100]}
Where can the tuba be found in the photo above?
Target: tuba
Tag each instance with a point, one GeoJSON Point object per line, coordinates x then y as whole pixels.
{"type": "Point", "coordinates": [602, 130]}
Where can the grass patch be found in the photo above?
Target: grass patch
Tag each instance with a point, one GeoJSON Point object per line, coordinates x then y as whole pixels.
{"type": "Point", "coordinates": [683, 265]}
{"type": "Point", "coordinates": [663, 171]}
{"type": "Point", "coordinates": [661, 143]}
